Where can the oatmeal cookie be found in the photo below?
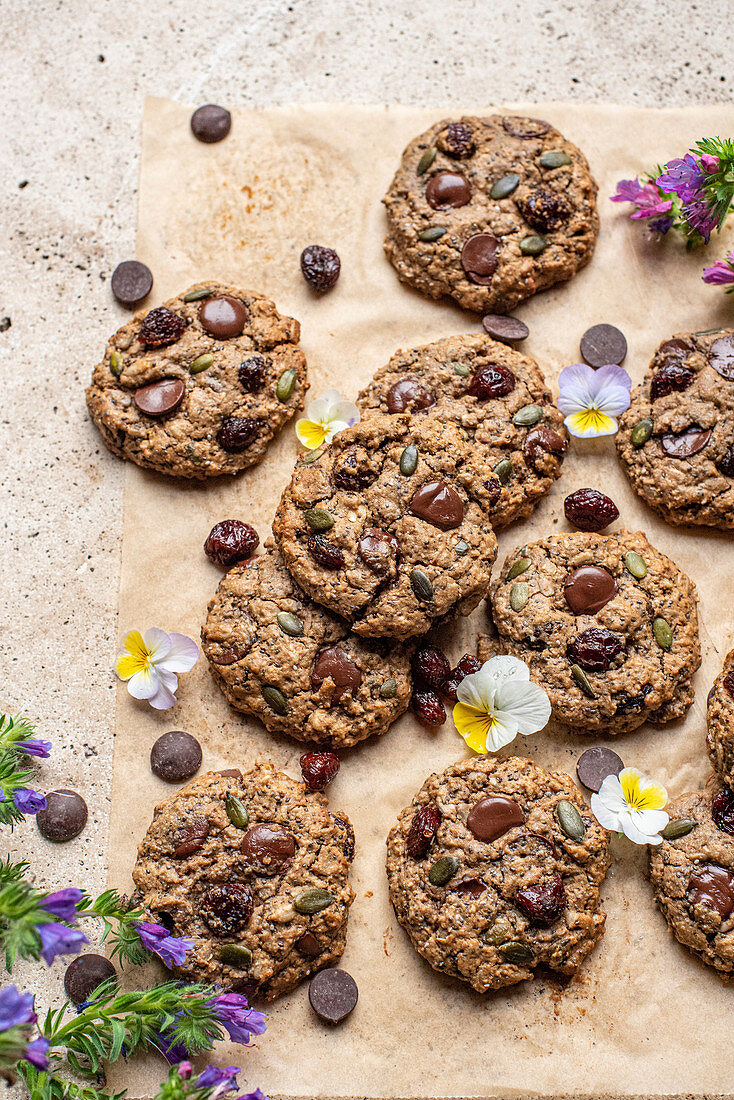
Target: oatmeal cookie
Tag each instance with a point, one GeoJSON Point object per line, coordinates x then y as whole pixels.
{"type": "Point", "coordinates": [720, 722]}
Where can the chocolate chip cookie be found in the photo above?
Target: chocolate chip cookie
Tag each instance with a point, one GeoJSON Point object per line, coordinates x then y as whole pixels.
{"type": "Point", "coordinates": [296, 666]}
{"type": "Point", "coordinates": [489, 211]}
{"type": "Point", "coordinates": [720, 721]}
{"type": "Point", "coordinates": [255, 870]}
{"type": "Point", "coordinates": [676, 440]}
{"type": "Point", "coordinates": [607, 625]}
{"type": "Point", "coordinates": [692, 874]}
{"type": "Point", "coordinates": [496, 395]}
{"type": "Point", "coordinates": [200, 385]}
{"type": "Point", "coordinates": [390, 526]}
{"type": "Point", "coordinates": [495, 868]}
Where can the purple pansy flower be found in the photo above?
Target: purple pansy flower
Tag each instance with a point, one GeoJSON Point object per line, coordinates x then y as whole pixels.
{"type": "Point", "coordinates": [720, 273]}
{"type": "Point", "coordinates": [63, 903]}
{"type": "Point", "coordinates": [238, 1019]}
{"type": "Point", "coordinates": [27, 800]}
{"type": "Point", "coordinates": [172, 950]}
{"type": "Point", "coordinates": [57, 939]}
{"type": "Point", "coordinates": [15, 1008]}
{"type": "Point", "coordinates": [34, 747]}
{"type": "Point", "coordinates": [35, 1053]}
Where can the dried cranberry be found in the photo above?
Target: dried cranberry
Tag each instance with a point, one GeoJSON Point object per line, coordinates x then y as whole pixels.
{"type": "Point", "coordinates": [466, 666]}
{"type": "Point", "coordinates": [492, 381]}
{"type": "Point", "coordinates": [493, 485]}
{"type": "Point", "coordinates": [237, 432]}
{"type": "Point", "coordinates": [543, 903]}
{"type": "Point", "coordinates": [352, 471]}
{"type": "Point", "coordinates": [252, 373]}
{"type": "Point", "coordinates": [590, 510]}
{"type": "Point", "coordinates": [161, 327]}
{"type": "Point", "coordinates": [428, 709]}
{"type": "Point", "coordinates": [320, 267]}
{"type": "Point", "coordinates": [728, 684]}
{"type": "Point", "coordinates": [231, 541]}
{"type": "Point", "coordinates": [543, 440]}
{"type": "Point", "coordinates": [595, 649]}
{"type": "Point", "coordinates": [726, 465]}
{"type": "Point", "coordinates": [722, 810]}
{"type": "Point", "coordinates": [325, 552]}
{"type": "Point", "coordinates": [673, 376]}
{"type": "Point", "coordinates": [423, 829]}
{"type": "Point", "coordinates": [189, 839]}
{"type": "Point", "coordinates": [544, 210]}
{"type": "Point", "coordinates": [318, 769]}
{"type": "Point", "coordinates": [377, 549]}
{"type": "Point", "coordinates": [430, 666]}
{"type": "Point", "coordinates": [226, 907]}
{"type": "Point", "coordinates": [457, 140]}
{"type": "Point", "coordinates": [348, 828]}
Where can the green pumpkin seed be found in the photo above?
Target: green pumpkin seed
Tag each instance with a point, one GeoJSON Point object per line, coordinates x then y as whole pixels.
{"type": "Point", "coordinates": [421, 584]}
{"type": "Point", "coordinates": [409, 460]}
{"type": "Point", "coordinates": [503, 471]}
{"type": "Point", "coordinates": [635, 564]}
{"type": "Point", "coordinates": [236, 811]}
{"type": "Point", "coordinates": [442, 870]}
{"type": "Point", "coordinates": [498, 933]}
{"type": "Point", "coordinates": [663, 633]}
{"type": "Point", "coordinates": [313, 901]}
{"type": "Point", "coordinates": [234, 954]}
{"type": "Point", "coordinates": [433, 233]}
{"type": "Point", "coordinates": [554, 158]}
{"type": "Point", "coordinates": [312, 456]}
{"type": "Point", "coordinates": [318, 519]}
{"type": "Point", "coordinates": [583, 681]}
{"type": "Point", "coordinates": [286, 384]}
{"type": "Point", "coordinates": [519, 595]}
{"type": "Point", "coordinates": [504, 187]}
{"type": "Point", "coordinates": [389, 688]}
{"type": "Point", "coordinates": [527, 415]}
{"type": "Point", "coordinates": [570, 820]}
{"type": "Point", "coordinates": [275, 699]}
{"type": "Point", "coordinates": [290, 624]}
{"type": "Point", "coordinates": [462, 369]}
{"type": "Point", "coordinates": [516, 952]}
{"type": "Point", "coordinates": [202, 362]}
{"type": "Point", "coordinates": [461, 547]}
{"type": "Point", "coordinates": [197, 295]}
{"type": "Point", "coordinates": [680, 826]}
{"type": "Point", "coordinates": [518, 567]}
{"type": "Point", "coordinates": [427, 159]}
{"type": "Point", "coordinates": [641, 432]}
{"type": "Point", "coordinates": [115, 364]}
{"type": "Point", "coordinates": [533, 245]}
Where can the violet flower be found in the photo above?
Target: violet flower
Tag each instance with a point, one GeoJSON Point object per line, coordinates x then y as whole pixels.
{"type": "Point", "coordinates": [684, 177]}
{"type": "Point", "coordinates": [645, 197]}
{"type": "Point", "coordinates": [15, 1008]}
{"type": "Point", "coordinates": [26, 800]}
{"type": "Point", "coordinates": [221, 1080]}
{"type": "Point", "coordinates": [721, 273]}
{"type": "Point", "coordinates": [35, 1053]}
{"type": "Point", "coordinates": [63, 903]}
{"type": "Point", "coordinates": [175, 1053]}
{"type": "Point", "coordinates": [57, 939]}
{"type": "Point", "coordinates": [171, 950]}
{"type": "Point", "coordinates": [238, 1019]}
{"type": "Point", "coordinates": [256, 1095]}
{"type": "Point", "coordinates": [34, 747]}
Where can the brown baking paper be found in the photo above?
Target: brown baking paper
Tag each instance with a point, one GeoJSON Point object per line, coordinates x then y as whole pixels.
{"type": "Point", "coordinates": [644, 1017]}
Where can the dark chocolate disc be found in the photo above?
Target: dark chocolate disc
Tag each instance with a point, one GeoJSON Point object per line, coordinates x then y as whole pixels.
{"type": "Point", "coordinates": [160, 398]}
{"type": "Point", "coordinates": [491, 817]}
{"type": "Point", "coordinates": [333, 994]}
{"type": "Point", "coordinates": [588, 588]}
{"type": "Point", "coordinates": [686, 444]}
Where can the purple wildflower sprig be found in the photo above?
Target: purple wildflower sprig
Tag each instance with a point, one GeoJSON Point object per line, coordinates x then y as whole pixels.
{"type": "Point", "coordinates": [17, 744]}
{"type": "Point", "coordinates": [721, 273]}
{"type": "Point", "coordinates": [17, 1019]}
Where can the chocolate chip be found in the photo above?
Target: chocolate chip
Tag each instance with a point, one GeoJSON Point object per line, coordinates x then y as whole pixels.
{"type": "Point", "coordinates": [408, 394]}
{"type": "Point", "coordinates": [721, 357]}
{"type": "Point", "coordinates": [64, 817]}
{"type": "Point", "coordinates": [712, 887]}
{"type": "Point", "coordinates": [160, 398]}
{"type": "Point", "coordinates": [231, 773]}
{"type": "Point", "coordinates": [377, 549]}
{"type": "Point", "coordinates": [332, 663]}
{"type": "Point", "coordinates": [175, 756]}
{"type": "Point", "coordinates": [190, 838]}
{"type": "Point", "coordinates": [473, 887]}
{"type": "Point", "coordinates": [131, 282]}
{"type": "Point", "coordinates": [269, 847]}
{"type": "Point", "coordinates": [603, 344]}
{"type": "Point", "coordinates": [446, 190]}
{"type": "Point", "coordinates": [672, 350]}
{"type": "Point", "coordinates": [726, 464]}
{"type": "Point", "coordinates": [685, 444]}
{"type": "Point", "coordinates": [211, 123]}
{"type": "Point", "coordinates": [308, 945]}
{"type": "Point", "coordinates": [595, 765]}
{"type": "Point", "coordinates": [332, 995]}
{"type": "Point", "coordinates": [320, 267]}
{"type": "Point", "coordinates": [491, 817]}
{"type": "Point", "coordinates": [505, 328]}
{"type": "Point", "coordinates": [588, 589]}
{"type": "Point", "coordinates": [543, 440]}
{"type": "Point", "coordinates": [84, 974]}
{"type": "Point", "coordinates": [223, 317]}
{"type": "Point", "coordinates": [479, 258]}
{"type": "Point", "coordinates": [237, 432]}
{"type": "Point", "coordinates": [438, 504]}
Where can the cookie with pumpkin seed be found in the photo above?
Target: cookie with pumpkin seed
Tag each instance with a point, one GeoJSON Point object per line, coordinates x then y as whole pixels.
{"type": "Point", "coordinates": [720, 721]}
{"type": "Point", "coordinates": [499, 399]}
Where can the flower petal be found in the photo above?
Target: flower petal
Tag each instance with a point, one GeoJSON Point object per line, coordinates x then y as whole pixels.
{"type": "Point", "coordinates": [311, 434]}
{"type": "Point", "coordinates": [144, 684]}
{"type": "Point", "coordinates": [525, 703]}
{"type": "Point", "coordinates": [126, 665]}
{"type": "Point", "coordinates": [182, 655]}
{"type": "Point", "coordinates": [504, 730]}
{"type": "Point", "coordinates": [134, 644]}
{"type": "Point", "coordinates": [603, 813]}
{"type": "Point", "coordinates": [504, 667]}
{"type": "Point", "coordinates": [590, 423]}
{"type": "Point", "coordinates": [318, 410]}
{"type": "Point", "coordinates": [612, 794]}
{"type": "Point", "coordinates": [346, 411]}
{"type": "Point", "coordinates": [163, 698]}
{"type": "Point", "coordinates": [473, 725]}
{"type": "Point", "coordinates": [477, 690]}
{"type": "Point", "coordinates": [574, 388]}
{"type": "Point", "coordinates": [158, 643]}
{"type": "Point", "coordinates": [611, 390]}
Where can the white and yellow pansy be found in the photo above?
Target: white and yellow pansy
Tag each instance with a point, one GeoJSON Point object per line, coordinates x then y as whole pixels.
{"type": "Point", "coordinates": [631, 804]}
{"type": "Point", "coordinates": [327, 415]}
{"type": "Point", "coordinates": [149, 664]}
{"type": "Point", "coordinates": [591, 400]}
{"type": "Point", "coordinates": [497, 703]}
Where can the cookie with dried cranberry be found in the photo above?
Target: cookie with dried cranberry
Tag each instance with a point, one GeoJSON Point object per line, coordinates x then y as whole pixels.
{"type": "Point", "coordinates": [495, 868]}
{"type": "Point", "coordinates": [201, 385]}
{"type": "Point", "coordinates": [489, 211]}
{"type": "Point", "coordinates": [390, 526]}
{"type": "Point", "coordinates": [296, 666]}
{"type": "Point", "coordinates": [606, 624]}
{"type": "Point", "coordinates": [254, 869]}
{"type": "Point", "coordinates": [676, 440]}
{"type": "Point", "coordinates": [692, 874]}
{"type": "Point", "coordinates": [497, 396]}
{"type": "Point", "coordinates": [720, 721]}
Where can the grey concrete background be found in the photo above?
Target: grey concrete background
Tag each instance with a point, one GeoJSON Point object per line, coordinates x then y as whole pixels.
{"type": "Point", "coordinates": [73, 81]}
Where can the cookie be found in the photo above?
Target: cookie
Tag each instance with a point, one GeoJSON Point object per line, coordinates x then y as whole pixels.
{"type": "Point", "coordinates": [606, 624]}
{"type": "Point", "coordinates": [497, 396]}
{"type": "Point", "coordinates": [201, 385]}
{"type": "Point", "coordinates": [720, 722]}
{"type": "Point", "coordinates": [676, 440]}
{"type": "Point", "coordinates": [693, 875]}
{"type": "Point", "coordinates": [296, 666]}
{"type": "Point", "coordinates": [495, 868]}
{"type": "Point", "coordinates": [489, 211]}
{"type": "Point", "coordinates": [255, 870]}
{"type": "Point", "coordinates": [390, 526]}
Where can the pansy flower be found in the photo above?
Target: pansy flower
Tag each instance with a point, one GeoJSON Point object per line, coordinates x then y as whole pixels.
{"type": "Point", "coordinates": [497, 703]}
{"type": "Point", "coordinates": [149, 664]}
{"type": "Point", "coordinates": [631, 804]}
{"type": "Point", "coordinates": [591, 400]}
{"type": "Point", "coordinates": [327, 415]}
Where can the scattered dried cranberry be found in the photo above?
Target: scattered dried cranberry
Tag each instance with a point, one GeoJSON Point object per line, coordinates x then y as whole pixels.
{"type": "Point", "coordinates": [318, 769]}
{"type": "Point", "coordinates": [430, 666]}
{"type": "Point", "coordinates": [673, 376]}
{"type": "Point", "coordinates": [428, 709]}
{"type": "Point", "coordinates": [590, 510]}
{"type": "Point", "coordinates": [543, 903]}
{"type": "Point", "coordinates": [353, 471]}
{"type": "Point", "coordinates": [325, 552]}
{"type": "Point", "coordinates": [161, 327]}
{"type": "Point", "coordinates": [189, 839]}
{"type": "Point", "coordinates": [252, 373]}
{"type": "Point", "coordinates": [320, 267]}
{"type": "Point", "coordinates": [494, 488]}
{"type": "Point", "coordinates": [595, 649]}
{"type": "Point", "coordinates": [492, 381]}
{"type": "Point", "coordinates": [237, 432]}
{"type": "Point", "coordinates": [457, 140]}
{"type": "Point", "coordinates": [231, 541]}
{"type": "Point", "coordinates": [722, 810]}
{"type": "Point", "coordinates": [544, 210]}
{"type": "Point", "coordinates": [726, 465]}
{"type": "Point", "coordinates": [423, 829]}
{"type": "Point", "coordinates": [466, 666]}
{"type": "Point", "coordinates": [226, 907]}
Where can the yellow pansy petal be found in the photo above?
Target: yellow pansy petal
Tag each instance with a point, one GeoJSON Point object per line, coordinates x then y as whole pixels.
{"type": "Point", "coordinates": [591, 422]}
{"type": "Point", "coordinates": [310, 433]}
{"type": "Point", "coordinates": [135, 645]}
{"type": "Point", "coordinates": [127, 665]}
{"type": "Point", "coordinates": [473, 725]}
{"type": "Point", "coordinates": [639, 796]}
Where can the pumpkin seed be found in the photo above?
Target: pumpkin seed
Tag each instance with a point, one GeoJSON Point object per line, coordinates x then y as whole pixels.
{"type": "Point", "coordinates": [641, 432]}
{"type": "Point", "coordinates": [516, 952]}
{"type": "Point", "coordinates": [235, 954]}
{"type": "Point", "coordinates": [421, 585]}
{"type": "Point", "coordinates": [461, 547]}
{"type": "Point", "coordinates": [318, 519]}
{"type": "Point", "coordinates": [503, 471]}
{"type": "Point", "coordinates": [312, 456]}
{"type": "Point", "coordinates": [663, 633]}
{"type": "Point", "coordinates": [462, 369]}
{"type": "Point", "coordinates": [554, 158]}
{"type": "Point", "coordinates": [527, 415]}
{"type": "Point", "coordinates": [503, 188]}
{"type": "Point", "coordinates": [202, 362]}
{"type": "Point", "coordinates": [533, 245]}
{"type": "Point", "coordinates": [115, 364]}
{"type": "Point", "coordinates": [389, 688]}
{"type": "Point", "coordinates": [409, 460]}
{"type": "Point", "coordinates": [313, 901]}
{"type": "Point", "coordinates": [635, 564]}
{"type": "Point", "coordinates": [286, 384]}
{"type": "Point", "coordinates": [236, 811]}
{"type": "Point", "coordinates": [498, 933]}
{"type": "Point", "coordinates": [583, 681]}
{"type": "Point", "coordinates": [290, 624]}
{"type": "Point", "coordinates": [197, 295]}
{"type": "Point", "coordinates": [275, 699]}
{"type": "Point", "coordinates": [570, 820]}
{"type": "Point", "coordinates": [433, 233]}
{"type": "Point", "coordinates": [518, 567]}
{"type": "Point", "coordinates": [680, 826]}
{"type": "Point", "coordinates": [427, 159]}
{"type": "Point", "coordinates": [442, 870]}
{"type": "Point", "coordinates": [519, 595]}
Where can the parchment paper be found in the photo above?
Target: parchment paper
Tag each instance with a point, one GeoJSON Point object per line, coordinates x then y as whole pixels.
{"type": "Point", "coordinates": [644, 1017]}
